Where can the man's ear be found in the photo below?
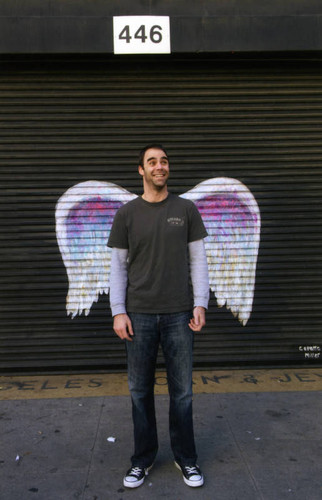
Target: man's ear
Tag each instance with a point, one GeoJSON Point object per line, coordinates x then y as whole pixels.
{"type": "Point", "coordinates": [141, 170]}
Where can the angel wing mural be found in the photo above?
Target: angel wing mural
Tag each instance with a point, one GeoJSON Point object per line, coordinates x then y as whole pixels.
{"type": "Point", "coordinates": [84, 216]}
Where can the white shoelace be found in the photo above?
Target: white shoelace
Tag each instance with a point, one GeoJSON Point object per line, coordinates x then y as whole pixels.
{"type": "Point", "coordinates": [136, 471]}
{"type": "Point", "coordinates": [192, 470]}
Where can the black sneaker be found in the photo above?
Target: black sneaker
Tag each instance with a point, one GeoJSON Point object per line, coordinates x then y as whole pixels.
{"type": "Point", "coordinates": [135, 476]}
{"type": "Point", "coordinates": [192, 475]}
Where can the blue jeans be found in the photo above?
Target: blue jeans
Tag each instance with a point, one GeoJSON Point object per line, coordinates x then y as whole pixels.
{"type": "Point", "coordinates": [176, 339]}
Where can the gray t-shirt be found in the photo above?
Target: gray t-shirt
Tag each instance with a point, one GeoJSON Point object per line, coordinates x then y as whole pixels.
{"type": "Point", "coordinates": [157, 237]}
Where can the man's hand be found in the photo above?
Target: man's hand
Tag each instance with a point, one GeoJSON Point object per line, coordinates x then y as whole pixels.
{"type": "Point", "coordinates": [199, 319]}
{"type": "Point", "coordinates": [123, 327]}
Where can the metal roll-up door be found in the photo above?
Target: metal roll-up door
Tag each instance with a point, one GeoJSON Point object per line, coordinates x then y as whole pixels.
{"type": "Point", "coordinates": [67, 121]}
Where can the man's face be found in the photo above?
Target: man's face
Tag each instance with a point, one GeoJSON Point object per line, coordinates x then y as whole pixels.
{"type": "Point", "coordinates": [155, 171]}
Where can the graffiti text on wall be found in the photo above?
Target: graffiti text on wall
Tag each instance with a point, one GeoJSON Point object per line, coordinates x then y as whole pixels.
{"type": "Point", "coordinates": [310, 351]}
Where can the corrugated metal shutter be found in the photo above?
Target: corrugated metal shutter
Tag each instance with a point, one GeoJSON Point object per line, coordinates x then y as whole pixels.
{"type": "Point", "coordinates": [65, 122]}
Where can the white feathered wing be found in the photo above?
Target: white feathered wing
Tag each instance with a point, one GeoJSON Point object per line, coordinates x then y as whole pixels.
{"type": "Point", "coordinates": [84, 216]}
{"type": "Point", "coordinates": [232, 219]}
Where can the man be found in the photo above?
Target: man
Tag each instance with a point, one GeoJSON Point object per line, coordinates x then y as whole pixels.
{"type": "Point", "coordinates": [157, 246]}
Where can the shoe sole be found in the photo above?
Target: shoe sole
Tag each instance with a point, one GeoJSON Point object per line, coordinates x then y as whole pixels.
{"type": "Point", "coordinates": [192, 484]}
{"type": "Point", "coordinates": [136, 484]}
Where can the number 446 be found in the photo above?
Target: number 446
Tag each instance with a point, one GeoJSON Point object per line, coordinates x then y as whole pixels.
{"type": "Point", "coordinates": [155, 34]}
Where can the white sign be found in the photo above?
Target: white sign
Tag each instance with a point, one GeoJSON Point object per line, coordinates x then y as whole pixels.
{"type": "Point", "coordinates": [141, 34]}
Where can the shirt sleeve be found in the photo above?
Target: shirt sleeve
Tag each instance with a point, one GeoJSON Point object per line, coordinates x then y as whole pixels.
{"type": "Point", "coordinates": [197, 229]}
{"type": "Point", "coordinates": [199, 273]}
{"type": "Point", "coordinates": [118, 236]}
{"type": "Point", "coordinates": [118, 281]}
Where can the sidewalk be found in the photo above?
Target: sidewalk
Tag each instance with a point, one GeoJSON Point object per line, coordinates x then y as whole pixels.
{"type": "Point", "coordinates": [252, 446]}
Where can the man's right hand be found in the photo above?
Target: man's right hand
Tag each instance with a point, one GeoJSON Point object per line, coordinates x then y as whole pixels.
{"type": "Point", "coordinates": [123, 327]}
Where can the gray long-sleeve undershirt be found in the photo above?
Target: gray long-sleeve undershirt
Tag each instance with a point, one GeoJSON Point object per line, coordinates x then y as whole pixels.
{"type": "Point", "coordinates": [198, 273]}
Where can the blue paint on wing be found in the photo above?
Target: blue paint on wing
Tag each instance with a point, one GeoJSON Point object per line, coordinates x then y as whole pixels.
{"type": "Point", "coordinates": [224, 215]}
{"type": "Point", "coordinates": [89, 221]}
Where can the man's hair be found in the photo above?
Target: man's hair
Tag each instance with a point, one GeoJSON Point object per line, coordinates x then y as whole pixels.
{"type": "Point", "coordinates": [150, 146]}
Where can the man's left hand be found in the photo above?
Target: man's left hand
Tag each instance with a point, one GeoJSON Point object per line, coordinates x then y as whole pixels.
{"type": "Point", "coordinates": [199, 319]}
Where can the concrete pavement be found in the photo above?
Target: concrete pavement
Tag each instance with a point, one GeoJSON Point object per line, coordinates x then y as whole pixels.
{"type": "Point", "coordinates": [252, 446]}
